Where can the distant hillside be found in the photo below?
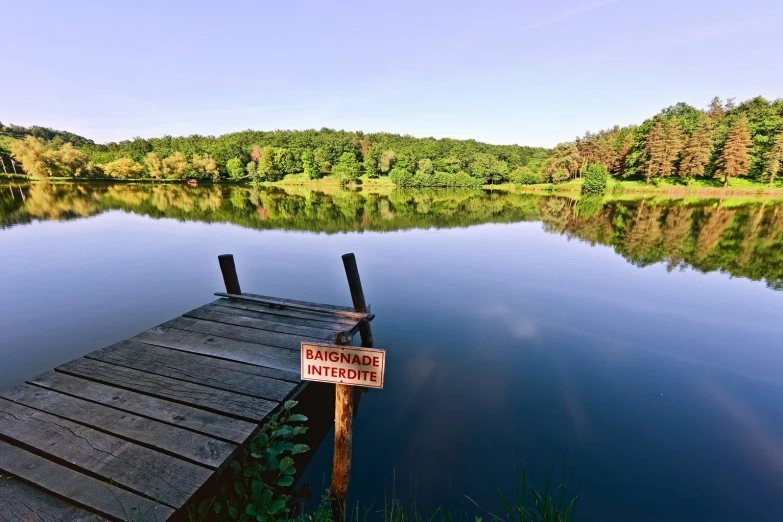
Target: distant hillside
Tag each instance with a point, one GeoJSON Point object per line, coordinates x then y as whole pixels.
{"type": "Point", "coordinates": [44, 133]}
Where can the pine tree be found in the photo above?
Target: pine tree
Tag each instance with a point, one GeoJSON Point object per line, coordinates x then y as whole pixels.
{"type": "Point", "coordinates": [673, 141]}
{"type": "Point", "coordinates": [697, 151]}
{"type": "Point", "coordinates": [715, 109]}
{"type": "Point", "coordinates": [773, 159]}
{"type": "Point", "coordinates": [655, 150]}
{"type": "Point", "coordinates": [735, 159]}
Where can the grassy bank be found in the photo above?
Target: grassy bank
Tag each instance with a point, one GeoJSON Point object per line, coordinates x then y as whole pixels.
{"type": "Point", "coordinates": [675, 187]}
{"type": "Point", "coordinates": [710, 188]}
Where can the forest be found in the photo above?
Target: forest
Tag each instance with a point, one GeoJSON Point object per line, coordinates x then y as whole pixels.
{"type": "Point", "coordinates": [723, 141]}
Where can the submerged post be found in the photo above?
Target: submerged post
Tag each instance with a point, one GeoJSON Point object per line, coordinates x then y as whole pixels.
{"type": "Point", "coordinates": [357, 296]}
{"type": "Point", "coordinates": [343, 435]}
{"type": "Point", "coordinates": [229, 274]}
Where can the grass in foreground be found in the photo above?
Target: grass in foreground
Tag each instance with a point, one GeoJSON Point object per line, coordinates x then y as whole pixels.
{"type": "Point", "coordinates": [555, 503]}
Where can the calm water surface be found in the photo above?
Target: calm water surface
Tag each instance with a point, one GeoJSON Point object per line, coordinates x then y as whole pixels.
{"type": "Point", "coordinates": [639, 342]}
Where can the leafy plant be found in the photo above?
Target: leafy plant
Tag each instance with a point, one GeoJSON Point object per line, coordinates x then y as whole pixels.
{"type": "Point", "coordinates": [266, 465]}
{"type": "Point", "coordinates": [530, 505]}
{"type": "Point", "coordinates": [595, 179]}
{"type": "Point", "coordinates": [526, 176]}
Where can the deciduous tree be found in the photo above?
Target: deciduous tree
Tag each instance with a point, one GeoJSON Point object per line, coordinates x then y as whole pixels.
{"type": "Point", "coordinates": [31, 153]}
{"type": "Point", "coordinates": [310, 166]}
{"type": "Point", "coordinates": [123, 168]}
{"type": "Point", "coordinates": [204, 166]}
{"type": "Point", "coordinates": [154, 164]}
{"type": "Point", "coordinates": [564, 159]}
{"type": "Point", "coordinates": [386, 162]}
{"type": "Point", "coordinates": [175, 166]}
{"type": "Point", "coordinates": [347, 169]}
{"type": "Point", "coordinates": [488, 169]}
{"type": "Point", "coordinates": [425, 167]}
{"type": "Point", "coordinates": [266, 164]}
{"type": "Point", "coordinates": [371, 161]}
{"type": "Point", "coordinates": [67, 161]}
{"type": "Point", "coordinates": [234, 168]}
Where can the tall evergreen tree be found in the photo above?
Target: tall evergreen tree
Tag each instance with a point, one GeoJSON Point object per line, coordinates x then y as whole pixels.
{"type": "Point", "coordinates": [655, 150]}
{"type": "Point", "coordinates": [773, 159]}
{"type": "Point", "coordinates": [697, 151]}
{"type": "Point", "coordinates": [673, 141]}
{"type": "Point", "coordinates": [715, 109]}
{"type": "Point", "coordinates": [735, 158]}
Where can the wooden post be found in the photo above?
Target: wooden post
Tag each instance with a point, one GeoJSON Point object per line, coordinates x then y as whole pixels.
{"type": "Point", "coordinates": [357, 296]}
{"type": "Point", "coordinates": [229, 274]}
{"type": "Point", "coordinates": [343, 434]}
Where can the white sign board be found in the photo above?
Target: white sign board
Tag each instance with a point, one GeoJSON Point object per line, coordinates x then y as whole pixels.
{"type": "Point", "coordinates": [343, 364]}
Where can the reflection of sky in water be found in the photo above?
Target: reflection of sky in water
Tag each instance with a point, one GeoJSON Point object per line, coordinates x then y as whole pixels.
{"type": "Point", "coordinates": [662, 391]}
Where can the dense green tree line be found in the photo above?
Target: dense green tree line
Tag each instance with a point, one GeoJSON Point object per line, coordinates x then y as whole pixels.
{"type": "Point", "coordinates": [745, 241]}
{"type": "Point", "coordinates": [269, 156]}
{"type": "Point", "coordinates": [725, 140]}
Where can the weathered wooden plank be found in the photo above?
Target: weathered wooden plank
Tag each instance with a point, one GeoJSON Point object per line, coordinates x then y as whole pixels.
{"type": "Point", "coordinates": [195, 419]}
{"type": "Point", "coordinates": [331, 323]}
{"type": "Point", "coordinates": [335, 322]}
{"type": "Point", "coordinates": [141, 430]}
{"type": "Point", "coordinates": [242, 333]}
{"type": "Point", "coordinates": [218, 401]}
{"type": "Point", "coordinates": [199, 369]}
{"type": "Point", "coordinates": [166, 479]}
{"type": "Point", "coordinates": [20, 502]}
{"type": "Point", "coordinates": [285, 300]}
{"type": "Point", "coordinates": [301, 305]}
{"type": "Point", "coordinates": [273, 357]}
{"type": "Point", "coordinates": [220, 316]}
{"type": "Point", "coordinates": [28, 503]}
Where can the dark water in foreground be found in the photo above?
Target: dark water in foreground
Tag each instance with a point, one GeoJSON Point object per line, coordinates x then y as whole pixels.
{"type": "Point", "coordinates": [640, 341]}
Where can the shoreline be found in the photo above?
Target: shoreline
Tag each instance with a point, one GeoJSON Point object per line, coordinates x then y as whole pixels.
{"type": "Point", "coordinates": [571, 188]}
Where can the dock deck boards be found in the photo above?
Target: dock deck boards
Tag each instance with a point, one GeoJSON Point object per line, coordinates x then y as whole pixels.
{"type": "Point", "coordinates": [141, 425]}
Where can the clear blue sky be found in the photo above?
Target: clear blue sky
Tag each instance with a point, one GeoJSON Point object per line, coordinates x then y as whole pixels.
{"type": "Point", "coordinates": [527, 72]}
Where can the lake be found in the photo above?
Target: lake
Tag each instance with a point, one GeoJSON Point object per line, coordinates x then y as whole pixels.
{"type": "Point", "coordinates": [638, 344]}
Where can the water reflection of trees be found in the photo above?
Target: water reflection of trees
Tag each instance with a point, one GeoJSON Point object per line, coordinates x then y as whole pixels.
{"type": "Point", "coordinates": [743, 240]}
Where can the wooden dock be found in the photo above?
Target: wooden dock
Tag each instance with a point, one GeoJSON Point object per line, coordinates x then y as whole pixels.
{"type": "Point", "coordinates": [135, 430]}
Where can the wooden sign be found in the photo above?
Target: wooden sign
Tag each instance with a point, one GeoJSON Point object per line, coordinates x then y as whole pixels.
{"type": "Point", "coordinates": [343, 364]}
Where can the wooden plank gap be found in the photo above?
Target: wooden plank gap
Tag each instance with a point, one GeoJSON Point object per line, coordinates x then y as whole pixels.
{"type": "Point", "coordinates": [171, 440]}
{"type": "Point", "coordinates": [196, 420]}
{"type": "Point", "coordinates": [219, 401]}
{"type": "Point", "coordinates": [301, 305]}
{"type": "Point", "coordinates": [197, 369]}
{"type": "Point", "coordinates": [77, 488]}
{"type": "Point", "coordinates": [286, 362]}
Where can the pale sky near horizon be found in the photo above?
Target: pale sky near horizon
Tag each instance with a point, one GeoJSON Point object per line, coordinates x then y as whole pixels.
{"type": "Point", "coordinates": [532, 73]}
